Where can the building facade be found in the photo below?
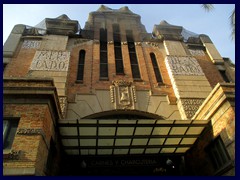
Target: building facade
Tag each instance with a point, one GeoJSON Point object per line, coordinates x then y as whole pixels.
{"type": "Point", "coordinates": [113, 99]}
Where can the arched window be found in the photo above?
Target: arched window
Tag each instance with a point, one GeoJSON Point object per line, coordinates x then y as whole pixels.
{"type": "Point", "coordinates": [155, 67]}
{"type": "Point", "coordinates": [81, 62]}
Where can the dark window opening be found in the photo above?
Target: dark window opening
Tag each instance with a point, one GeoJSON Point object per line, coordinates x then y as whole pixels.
{"type": "Point", "coordinates": [118, 49]}
{"type": "Point", "coordinates": [81, 63]}
{"type": "Point", "coordinates": [133, 55]}
{"type": "Point", "coordinates": [224, 76]}
{"type": "Point", "coordinates": [9, 131]}
{"type": "Point", "coordinates": [218, 154]}
{"type": "Point", "coordinates": [156, 69]}
{"type": "Point", "coordinates": [103, 54]}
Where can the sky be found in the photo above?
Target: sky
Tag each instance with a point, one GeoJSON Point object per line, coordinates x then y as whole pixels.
{"type": "Point", "coordinates": [215, 24]}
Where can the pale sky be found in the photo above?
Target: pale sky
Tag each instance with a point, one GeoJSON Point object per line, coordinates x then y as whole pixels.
{"type": "Point", "coordinates": [193, 17]}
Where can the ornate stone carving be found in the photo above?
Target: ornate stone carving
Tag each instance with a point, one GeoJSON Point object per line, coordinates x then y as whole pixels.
{"type": "Point", "coordinates": [27, 44]}
{"type": "Point", "coordinates": [51, 60]}
{"type": "Point", "coordinates": [110, 42]}
{"type": "Point", "coordinates": [12, 155]}
{"type": "Point", "coordinates": [197, 52]}
{"type": "Point", "coordinates": [138, 43]}
{"type": "Point", "coordinates": [63, 104]}
{"type": "Point", "coordinates": [29, 131]}
{"type": "Point", "coordinates": [123, 94]}
{"type": "Point", "coordinates": [183, 65]}
{"type": "Point", "coordinates": [124, 43]}
{"type": "Point", "coordinates": [190, 106]}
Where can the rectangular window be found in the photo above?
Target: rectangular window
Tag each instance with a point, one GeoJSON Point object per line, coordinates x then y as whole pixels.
{"type": "Point", "coordinates": [133, 55]}
{"type": "Point", "coordinates": [224, 76]}
{"type": "Point", "coordinates": [117, 49]}
{"type": "Point", "coordinates": [155, 67]}
{"type": "Point", "coordinates": [81, 63]}
{"type": "Point", "coordinates": [103, 54]}
{"type": "Point", "coordinates": [218, 153]}
{"type": "Point", "coordinates": [9, 131]}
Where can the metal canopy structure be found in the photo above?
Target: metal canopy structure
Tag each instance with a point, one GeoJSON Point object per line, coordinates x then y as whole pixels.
{"type": "Point", "coordinates": [128, 137]}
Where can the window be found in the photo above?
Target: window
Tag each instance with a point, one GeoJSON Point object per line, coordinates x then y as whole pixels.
{"type": "Point", "coordinates": [155, 67]}
{"type": "Point", "coordinates": [9, 131]}
{"type": "Point", "coordinates": [224, 76]}
{"type": "Point", "coordinates": [218, 153]}
{"type": "Point", "coordinates": [81, 62]}
{"type": "Point", "coordinates": [117, 49]}
{"type": "Point", "coordinates": [132, 55]}
{"type": "Point", "coordinates": [103, 54]}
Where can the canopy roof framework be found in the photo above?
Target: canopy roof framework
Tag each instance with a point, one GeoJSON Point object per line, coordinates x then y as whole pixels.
{"type": "Point", "coordinates": [129, 137]}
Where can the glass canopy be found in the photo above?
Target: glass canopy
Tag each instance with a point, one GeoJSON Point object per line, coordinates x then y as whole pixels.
{"type": "Point", "coordinates": [123, 136]}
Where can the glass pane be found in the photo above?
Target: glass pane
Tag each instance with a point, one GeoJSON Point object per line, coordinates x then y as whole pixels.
{"type": "Point", "coordinates": [105, 142]}
{"type": "Point", "coordinates": [143, 130]}
{"type": "Point", "coordinates": [181, 150]}
{"type": "Point", "coordinates": [103, 70]}
{"type": "Point", "coordinates": [120, 151]}
{"type": "Point", "coordinates": [104, 131]}
{"type": "Point", "coordinates": [122, 142]}
{"type": "Point", "coordinates": [88, 151]}
{"type": "Point", "coordinates": [135, 71]}
{"type": "Point", "coordinates": [87, 142]}
{"type": "Point", "coordinates": [125, 131]}
{"type": "Point", "coordinates": [70, 142]}
{"type": "Point", "coordinates": [178, 130]}
{"type": "Point", "coordinates": [136, 151]}
{"type": "Point", "coordinates": [87, 131]}
{"type": "Point", "coordinates": [167, 150]}
{"type": "Point", "coordinates": [103, 57]}
{"type": "Point", "coordinates": [156, 141]}
{"type": "Point", "coordinates": [161, 130]}
{"type": "Point", "coordinates": [152, 150]}
{"type": "Point", "coordinates": [105, 151]}
{"type": "Point", "coordinates": [195, 130]}
{"type": "Point", "coordinates": [188, 140]}
{"type": "Point", "coordinates": [172, 141]}
{"type": "Point", "coordinates": [71, 131]}
{"type": "Point", "coordinates": [139, 142]}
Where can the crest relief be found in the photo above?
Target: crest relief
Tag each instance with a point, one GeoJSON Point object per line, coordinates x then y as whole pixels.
{"type": "Point", "coordinates": [123, 95]}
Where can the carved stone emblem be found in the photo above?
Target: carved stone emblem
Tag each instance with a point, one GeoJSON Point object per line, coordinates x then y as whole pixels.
{"type": "Point", "coordinates": [123, 94]}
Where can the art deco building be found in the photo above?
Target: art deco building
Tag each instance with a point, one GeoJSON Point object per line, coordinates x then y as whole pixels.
{"type": "Point", "coordinates": [114, 99]}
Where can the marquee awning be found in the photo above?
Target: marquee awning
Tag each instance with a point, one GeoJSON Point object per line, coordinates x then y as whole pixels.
{"type": "Point", "coordinates": [122, 137]}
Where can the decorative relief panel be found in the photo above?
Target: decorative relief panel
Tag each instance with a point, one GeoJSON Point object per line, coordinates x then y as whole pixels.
{"type": "Point", "coordinates": [51, 60]}
{"type": "Point", "coordinates": [12, 155]}
{"type": "Point", "coordinates": [123, 94]}
{"type": "Point", "coordinates": [63, 104]}
{"type": "Point", "coordinates": [191, 106]}
{"type": "Point", "coordinates": [183, 65]}
{"type": "Point", "coordinates": [197, 52]}
{"type": "Point", "coordinates": [27, 44]}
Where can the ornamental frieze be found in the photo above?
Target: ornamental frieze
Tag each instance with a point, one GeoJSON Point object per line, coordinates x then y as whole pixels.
{"type": "Point", "coordinates": [51, 60]}
{"type": "Point", "coordinates": [183, 65]}
{"type": "Point", "coordinates": [123, 94]}
{"type": "Point", "coordinates": [27, 44]}
{"type": "Point", "coordinates": [196, 52]}
{"type": "Point", "coordinates": [12, 155]}
{"type": "Point", "coordinates": [190, 106]}
{"type": "Point", "coordinates": [63, 104]}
